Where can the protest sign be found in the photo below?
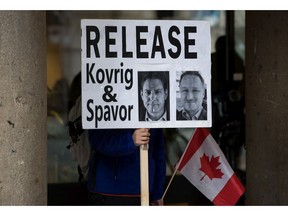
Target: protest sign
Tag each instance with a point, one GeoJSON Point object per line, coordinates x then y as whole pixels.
{"type": "Point", "coordinates": [117, 56]}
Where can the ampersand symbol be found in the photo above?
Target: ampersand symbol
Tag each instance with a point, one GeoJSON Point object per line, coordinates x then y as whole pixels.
{"type": "Point", "coordinates": [107, 96]}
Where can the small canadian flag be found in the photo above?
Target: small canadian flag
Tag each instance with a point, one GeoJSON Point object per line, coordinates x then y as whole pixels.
{"type": "Point", "coordinates": [205, 166]}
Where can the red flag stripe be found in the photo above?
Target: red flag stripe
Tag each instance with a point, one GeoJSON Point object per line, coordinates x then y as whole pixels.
{"type": "Point", "coordinates": [199, 136]}
{"type": "Point", "coordinates": [230, 193]}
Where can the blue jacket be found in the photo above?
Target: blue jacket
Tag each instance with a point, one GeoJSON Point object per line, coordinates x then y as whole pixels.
{"type": "Point", "coordinates": [117, 163]}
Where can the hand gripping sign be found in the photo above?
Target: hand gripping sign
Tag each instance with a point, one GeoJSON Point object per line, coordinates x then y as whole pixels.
{"type": "Point", "coordinates": [145, 74]}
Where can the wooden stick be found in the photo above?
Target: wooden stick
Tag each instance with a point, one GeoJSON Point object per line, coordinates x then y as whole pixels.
{"type": "Point", "coordinates": [144, 175]}
{"type": "Point", "coordinates": [169, 184]}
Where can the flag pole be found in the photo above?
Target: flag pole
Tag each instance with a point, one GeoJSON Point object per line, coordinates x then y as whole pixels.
{"type": "Point", "coordinates": [176, 168]}
{"type": "Point", "coordinates": [169, 184]}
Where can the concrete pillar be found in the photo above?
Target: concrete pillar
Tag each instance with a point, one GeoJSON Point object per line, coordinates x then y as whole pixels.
{"type": "Point", "coordinates": [267, 107]}
{"type": "Point", "coordinates": [23, 108]}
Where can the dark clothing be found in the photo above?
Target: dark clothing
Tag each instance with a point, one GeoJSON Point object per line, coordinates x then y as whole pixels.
{"type": "Point", "coordinates": [118, 163]}
{"type": "Point", "coordinates": [102, 199]}
{"type": "Point", "coordinates": [180, 116]}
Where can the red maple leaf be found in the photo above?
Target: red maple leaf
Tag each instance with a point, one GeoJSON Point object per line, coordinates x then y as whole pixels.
{"type": "Point", "coordinates": [210, 167]}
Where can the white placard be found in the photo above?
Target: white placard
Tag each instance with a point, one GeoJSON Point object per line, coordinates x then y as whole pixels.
{"type": "Point", "coordinates": [117, 54]}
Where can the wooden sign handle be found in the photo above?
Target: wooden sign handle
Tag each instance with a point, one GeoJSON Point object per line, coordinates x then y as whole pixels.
{"type": "Point", "coordinates": [144, 175]}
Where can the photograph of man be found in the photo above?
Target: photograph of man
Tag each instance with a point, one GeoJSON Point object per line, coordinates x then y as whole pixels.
{"type": "Point", "coordinates": [153, 95]}
{"type": "Point", "coordinates": [192, 93]}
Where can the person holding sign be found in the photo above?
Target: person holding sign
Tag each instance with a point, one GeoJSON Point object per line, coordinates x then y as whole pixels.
{"type": "Point", "coordinates": [192, 91]}
{"type": "Point", "coordinates": [154, 93]}
{"type": "Point", "coordinates": [114, 175]}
